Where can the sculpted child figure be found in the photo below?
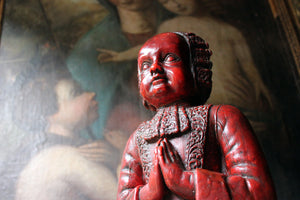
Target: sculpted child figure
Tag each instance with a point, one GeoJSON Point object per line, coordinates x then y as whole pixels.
{"type": "Point", "coordinates": [189, 150]}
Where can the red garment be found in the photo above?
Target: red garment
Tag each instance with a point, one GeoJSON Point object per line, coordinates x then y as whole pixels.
{"type": "Point", "coordinates": [216, 143]}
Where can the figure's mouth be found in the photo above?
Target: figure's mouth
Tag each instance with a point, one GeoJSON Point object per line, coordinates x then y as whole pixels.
{"type": "Point", "coordinates": [159, 80]}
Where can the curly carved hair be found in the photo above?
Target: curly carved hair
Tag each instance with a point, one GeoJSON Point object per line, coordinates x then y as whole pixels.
{"type": "Point", "coordinates": [200, 65]}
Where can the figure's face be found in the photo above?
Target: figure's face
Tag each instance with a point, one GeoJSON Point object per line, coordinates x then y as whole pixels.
{"type": "Point", "coordinates": [181, 7]}
{"type": "Point", "coordinates": [77, 109]}
{"type": "Point", "coordinates": [164, 70]}
{"type": "Point", "coordinates": [132, 4]}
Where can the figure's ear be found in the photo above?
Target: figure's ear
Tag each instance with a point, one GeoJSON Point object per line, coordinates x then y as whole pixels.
{"type": "Point", "coordinates": [148, 106]}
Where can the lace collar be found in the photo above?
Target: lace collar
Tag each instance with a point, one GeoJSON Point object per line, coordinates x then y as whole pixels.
{"type": "Point", "coordinates": [168, 121]}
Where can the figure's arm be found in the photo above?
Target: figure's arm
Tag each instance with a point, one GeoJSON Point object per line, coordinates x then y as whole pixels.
{"type": "Point", "coordinates": [195, 184]}
{"type": "Point", "coordinates": [131, 180]}
{"type": "Point", "coordinates": [246, 173]}
{"type": "Point", "coordinates": [106, 55]}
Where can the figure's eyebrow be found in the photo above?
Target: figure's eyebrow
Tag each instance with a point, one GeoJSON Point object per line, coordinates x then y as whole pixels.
{"type": "Point", "coordinates": [143, 57]}
{"type": "Point", "coordinates": [170, 54]}
{"type": "Point", "coordinates": [146, 51]}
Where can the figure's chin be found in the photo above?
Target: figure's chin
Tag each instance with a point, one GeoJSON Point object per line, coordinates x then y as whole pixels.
{"type": "Point", "coordinates": [160, 90]}
{"type": "Point", "coordinates": [161, 100]}
{"type": "Point", "coordinates": [165, 98]}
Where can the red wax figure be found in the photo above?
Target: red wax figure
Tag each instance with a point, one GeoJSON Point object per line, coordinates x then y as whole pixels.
{"type": "Point", "coordinates": [189, 150]}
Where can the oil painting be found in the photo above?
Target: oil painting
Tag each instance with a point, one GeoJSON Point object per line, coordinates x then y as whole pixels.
{"type": "Point", "coordinates": [69, 94]}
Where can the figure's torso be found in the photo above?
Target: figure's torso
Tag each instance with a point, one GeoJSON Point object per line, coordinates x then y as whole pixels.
{"type": "Point", "coordinates": [189, 131]}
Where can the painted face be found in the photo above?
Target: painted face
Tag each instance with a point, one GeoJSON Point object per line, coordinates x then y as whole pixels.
{"type": "Point", "coordinates": [132, 4]}
{"type": "Point", "coordinates": [164, 70]}
{"type": "Point", "coordinates": [181, 7]}
{"type": "Point", "coordinates": [77, 108]}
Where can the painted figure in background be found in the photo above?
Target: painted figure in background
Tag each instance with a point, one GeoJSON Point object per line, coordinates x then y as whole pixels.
{"type": "Point", "coordinates": [236, 80]}
{"type": "Point", "coordinates": [189, 150]}
{"type": "Point", "coordinates": [129, 23]}
{"type": "Point", "coordinates": [60, 166]}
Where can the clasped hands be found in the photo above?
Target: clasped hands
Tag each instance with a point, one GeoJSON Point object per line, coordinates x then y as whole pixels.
{"type": "Point", "coordinates": [168, 172]}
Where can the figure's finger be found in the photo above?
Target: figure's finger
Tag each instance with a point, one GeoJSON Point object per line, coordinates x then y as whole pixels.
{"type": "Point", "coordinates": [168, 144]}
{"type": "Point", "coordinates": [176, 157]}
{"type": "Point", "coordinates": [156, 161]}
{"type": "Point", "coordinates": [159, 141]}
{"type": "Point", "coordinates": [166, 152]}
{"type": "Point", "coordinates": [106, 51]}
{"type": "Point", "coordinates": [90, 145]}
{"type": "Point", "coordinates": [105, 58]}
{"type": "Point", "coordinates": [156, 152]}
{"type": "Point", "coordinates": [170, 150]}
{"type": "Point", "coordinates": [161, 156]}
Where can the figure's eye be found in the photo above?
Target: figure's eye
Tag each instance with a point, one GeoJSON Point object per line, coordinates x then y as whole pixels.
{"type": "Point", "coordinates": [171, 58]}
{"type": "Point", "coordinates": [145, 65]}
{"type": "Point", "coordinates": [76, 92]}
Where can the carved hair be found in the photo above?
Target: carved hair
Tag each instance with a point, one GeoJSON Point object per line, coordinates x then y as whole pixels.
{"type": "Point", "coordinates": [200, 65]}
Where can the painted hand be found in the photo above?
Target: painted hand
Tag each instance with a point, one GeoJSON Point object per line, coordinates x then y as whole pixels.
{"type": "Point", "coordinates": [106, 55]}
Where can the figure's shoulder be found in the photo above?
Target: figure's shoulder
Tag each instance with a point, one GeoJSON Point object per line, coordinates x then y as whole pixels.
{"type": "Point", "coordinates": [226, 113]}
{"type": "Point", "coordinates": [226, 109]}
{"type": "Point", "coordinates": [204, 107]}
{"type": "Point", "coordinates": [141, 128]}
{"type": "Point", "coordinates": [49, 155]}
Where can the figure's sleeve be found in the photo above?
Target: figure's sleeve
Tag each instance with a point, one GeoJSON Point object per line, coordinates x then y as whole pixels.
{"type": "Point", "coordinates": [131, 173]}
{"type": "Point", "coordinates": [245, 174]}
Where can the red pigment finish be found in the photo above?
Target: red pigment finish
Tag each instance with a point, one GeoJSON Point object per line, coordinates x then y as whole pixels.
{"type": "Point", "coordinates": [189, 150]}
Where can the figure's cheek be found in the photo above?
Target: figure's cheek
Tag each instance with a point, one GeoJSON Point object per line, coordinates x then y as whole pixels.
{"type": "Point", "coordinates": [143, 88]}
{"type": "Point", "coordinates": [176, 77]}
{"type": "Point", "coordinates": [145, 81]}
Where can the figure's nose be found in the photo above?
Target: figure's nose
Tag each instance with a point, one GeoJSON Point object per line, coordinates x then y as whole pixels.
{"type": "Point", "coordinates": [156, 68]}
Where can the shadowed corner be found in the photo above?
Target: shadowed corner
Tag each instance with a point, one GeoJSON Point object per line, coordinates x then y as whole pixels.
{"type": "Point", "coordinates": [1, 16]}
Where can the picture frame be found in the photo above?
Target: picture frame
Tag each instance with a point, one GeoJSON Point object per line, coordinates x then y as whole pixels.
{"type": "Point", "coordinates": [38, 37]}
